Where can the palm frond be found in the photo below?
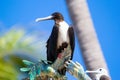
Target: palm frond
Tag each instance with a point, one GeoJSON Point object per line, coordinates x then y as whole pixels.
{"type": "Point", "coordinates": [11, 43]}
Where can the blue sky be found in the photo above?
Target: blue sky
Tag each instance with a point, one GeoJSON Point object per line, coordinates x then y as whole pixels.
{"type": "Point", "coordinates": [105, 15]}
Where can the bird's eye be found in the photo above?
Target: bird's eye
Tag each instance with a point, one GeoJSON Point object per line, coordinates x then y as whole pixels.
{"type": "Point", "coordinates": [100, 69]}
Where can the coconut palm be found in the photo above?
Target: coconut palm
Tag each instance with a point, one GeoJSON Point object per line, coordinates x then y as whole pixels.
{"type": "Point", "coordinates": [15, 45]}
{"type": "Point", "coordinates": [90, 47]}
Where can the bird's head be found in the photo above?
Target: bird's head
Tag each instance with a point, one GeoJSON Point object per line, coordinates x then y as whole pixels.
{"type": "Point", "coordinates": [57, 17]}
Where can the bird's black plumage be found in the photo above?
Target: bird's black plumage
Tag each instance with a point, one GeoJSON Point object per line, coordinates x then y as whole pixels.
{"type": "Point", "coordinates": [52, 45]}
{"type": "Point", "coordinates": [72, 40]}
{"type": "Point", "coordinates": [53, 51]}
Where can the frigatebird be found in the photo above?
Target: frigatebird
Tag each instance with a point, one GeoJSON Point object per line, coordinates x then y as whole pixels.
{"type": "Point", "coordinates": [61, 36]}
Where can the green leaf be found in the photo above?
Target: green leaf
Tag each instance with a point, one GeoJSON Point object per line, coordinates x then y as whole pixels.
{"type": "Point", "coordinates": [25, 69]}
{"type": "Point", "coordinates": [28, 63]}
{"type": "Point", "coordinates": [7, 71]}
{"type": "Point", "coordinates": [12, 42]}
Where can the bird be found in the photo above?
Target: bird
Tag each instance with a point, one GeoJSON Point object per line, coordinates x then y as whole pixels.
{"type": "Point", "coordinates": [100, 74]}
{"type": "Point", "coordinates": [61, 36]}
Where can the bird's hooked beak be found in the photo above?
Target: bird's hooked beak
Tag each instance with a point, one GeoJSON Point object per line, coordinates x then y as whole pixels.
{"type": "Point", "coordinates": [93, 72]}
{"type": "Point", "coordinates": [45, 18]}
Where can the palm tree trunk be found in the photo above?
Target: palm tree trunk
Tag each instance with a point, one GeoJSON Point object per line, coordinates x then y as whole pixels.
{"type": "Point", "coordinates": [90, 47]}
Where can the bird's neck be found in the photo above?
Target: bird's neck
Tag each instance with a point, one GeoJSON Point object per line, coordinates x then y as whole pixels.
{"type": "Point", "coordinates": [61, 23]}
{"type": "Point", "coordinates": [58, 21]}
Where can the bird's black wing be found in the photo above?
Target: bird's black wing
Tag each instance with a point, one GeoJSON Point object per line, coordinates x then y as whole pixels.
{"type": "Point", "coordinates": [52, 45]}
{"type": "Point", "coordinates": [72, 39]}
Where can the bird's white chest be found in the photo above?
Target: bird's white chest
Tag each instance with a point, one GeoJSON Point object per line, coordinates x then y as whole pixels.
{"type": "Point", "coordinates": [63, 33]}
